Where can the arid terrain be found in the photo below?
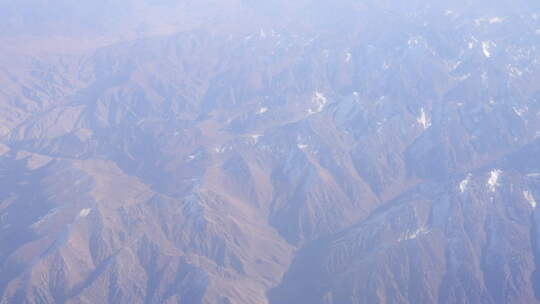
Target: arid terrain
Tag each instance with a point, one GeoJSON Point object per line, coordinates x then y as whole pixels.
{"type": "Point", "coordinates": [250, 152]}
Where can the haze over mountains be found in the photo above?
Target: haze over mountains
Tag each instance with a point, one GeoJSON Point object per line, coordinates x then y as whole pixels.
{"type": "Point", "coordinates": [246, 152]}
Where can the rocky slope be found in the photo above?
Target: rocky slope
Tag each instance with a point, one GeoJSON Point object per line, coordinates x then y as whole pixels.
{"type": "Point", "coordinates": [241, 152]}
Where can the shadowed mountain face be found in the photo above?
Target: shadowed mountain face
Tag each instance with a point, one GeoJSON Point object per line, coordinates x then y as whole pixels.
{"type": "Point", "coordinates": [251, 152]}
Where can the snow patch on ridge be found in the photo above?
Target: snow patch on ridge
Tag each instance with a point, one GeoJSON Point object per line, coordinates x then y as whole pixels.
{"type": "Point", "coordinates": [464, 183]}
{"type": "Point", "coordinates": [423, 119]}
{"type": "Point", "coordinates": [84, 212]}
{"type": "Point", "coordinates": [256, 137]}
{"type": "Point", "coordinates": [492, 20]}
{"type": "Point", "coordinates": [301, 144]}
{"type": "Point", "coordinates": [194, 156]}
{"type": "Point", "coordinates": [530, 198]}
{"type": "Point", "coordinates": [520, 111]}
{"type": "Point", "coordinates": [414, 234]}
{"type": "Point", "coordinates": [485, 49]}
{"type": "Point", "coordinates": [413, 41]}
{"type": "Point", "coordinates": [493, 181]}
{"type": "Point", "coordinates": [320, 101]}
{"type": "Point", "coordinates": [348, 57]}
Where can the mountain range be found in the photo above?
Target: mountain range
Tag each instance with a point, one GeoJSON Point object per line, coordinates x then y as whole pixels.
{"type": "Point", "coordinates": [250, 152]}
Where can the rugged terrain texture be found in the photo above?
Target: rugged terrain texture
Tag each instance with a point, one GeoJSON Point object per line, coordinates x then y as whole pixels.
{"type": "Point", "coordinates": [244, 152]}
